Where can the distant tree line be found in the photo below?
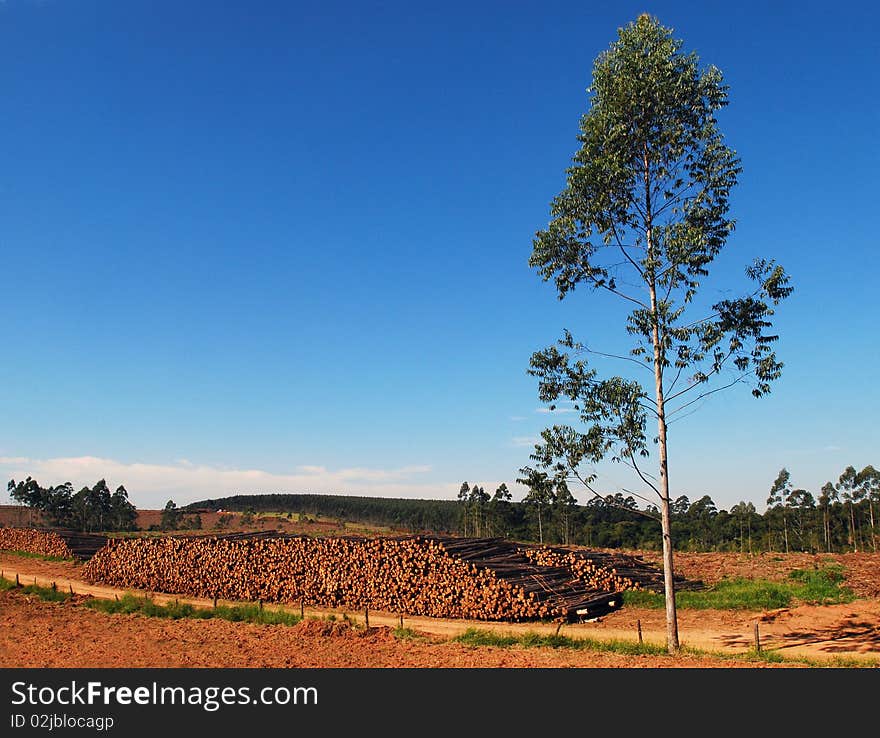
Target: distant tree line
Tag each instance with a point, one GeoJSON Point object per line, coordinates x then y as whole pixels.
{"type": "Point", "coordinates": [90, 509]}
{"type": "Point", "coordinates": [173, 518]}
{"type": "Point", "coordinates": [843, 517]}
{"type": "Point", "coordinates": [441, 516]}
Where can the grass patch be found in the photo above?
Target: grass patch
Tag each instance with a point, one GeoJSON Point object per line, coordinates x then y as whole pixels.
{"type": "Point", "coordinates": [32, 555]}
{"type": "Point", "coordinates": [479, 637]}
{"type": "Point", "coordinates": [44, 593]}
{"type": "Point", "coordinates": [407, 634]}
{"type": "Point", "coordinates": [817, 586]}
{"type": "Point", "coordinates": [130, 604]}
{"type": "Point", "coordinates": [821, 586]}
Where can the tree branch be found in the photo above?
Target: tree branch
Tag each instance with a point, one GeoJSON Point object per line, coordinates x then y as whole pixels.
{"type": "Point", "coordinates": [676, 378]}
{"type": "Point", "coordinates": [615, 356]}
{"type": "Point", "coordinates": [623, 251]}
{"type": "Point", "coordinates": [645, 513]}
{"type": "Point", "coordinates": [715, 370]}
{"type": "Point", "coordinates": [642, 476]}
{"type": "Point", "coordinates": [596, 283]}
{"type": "Point", "coordinates": [706, 394]}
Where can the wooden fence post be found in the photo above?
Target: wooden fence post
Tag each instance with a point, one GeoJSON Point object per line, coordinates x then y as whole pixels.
{"type": "Point", "coordinates": [639, 628]}
{"type": "Point", "coordinates": [757, 638]}
{"type": "Point", "coordinates": [367, 617]}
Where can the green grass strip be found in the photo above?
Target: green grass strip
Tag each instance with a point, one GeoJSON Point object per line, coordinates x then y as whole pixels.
{"type": "Point", "coordinates": [44, 593]}
{"type": "Point", "coordinates": [814, 587]}
{"type": "Point", "coordinates": [478, 637]}
{"type": "Point", "coordinates": [32, 555]}
{"type": "Point", "coordinates": [130, 604]}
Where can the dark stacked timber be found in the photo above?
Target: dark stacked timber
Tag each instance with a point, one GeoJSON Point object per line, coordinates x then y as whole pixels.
{"type": "Point", "coordinates": [482, 579]}
{"type": "Point", "coordinates": [605, 570]}
{"type": "Point", "coordinates": [83, 545]}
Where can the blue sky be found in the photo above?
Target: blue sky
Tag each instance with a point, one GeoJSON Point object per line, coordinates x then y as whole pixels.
{"type": "Point", "coordinates": [278, 246]}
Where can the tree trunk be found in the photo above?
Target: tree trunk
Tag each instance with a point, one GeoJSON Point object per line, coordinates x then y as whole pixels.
{"type": "Point", "coordinates": [852, 528]}
{"type": "Point", "coordinates": [672, 643]}
{"type": "Point", "coordinates": [873, 536]}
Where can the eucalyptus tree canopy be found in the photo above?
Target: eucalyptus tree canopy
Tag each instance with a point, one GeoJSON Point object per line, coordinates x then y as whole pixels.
{"type": "Point", "coordinates": [642, 217]}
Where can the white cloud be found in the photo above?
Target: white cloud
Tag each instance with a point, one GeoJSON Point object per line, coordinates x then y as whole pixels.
{"type": "Point", "coordinates": [523, 441]}
{"type": "Point", "coordinates": [150, 486]}
{"type": "Point", "coordinates": [547, 410]}
{"type": "Point", "coordinates": [517, 418]}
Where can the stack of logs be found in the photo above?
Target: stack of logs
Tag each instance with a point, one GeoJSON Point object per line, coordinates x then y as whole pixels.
{"type": "Point", "coordinates": [482, 579]}
{"type": "Point", "coordinates": [33, 540]}
{"type": "Point", "coordinates": [603, 570]}
{"type": "Point", "coordinates": [60, 542]}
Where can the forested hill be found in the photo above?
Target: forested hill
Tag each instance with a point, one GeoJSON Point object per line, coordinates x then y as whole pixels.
{"type": "Point", "coordinates": [437, 516]}
{"type": "Point", "coordinates": [798, 523]}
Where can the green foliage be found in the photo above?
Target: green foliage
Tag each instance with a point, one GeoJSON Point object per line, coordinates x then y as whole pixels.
{"type": "Point", "coordinates": [609, 521]}
{"type": "Point", "coordinates": [441, 516]}
{"type": "Point", "coordinates": [191, 522]}
{"type": "Point", "coordinates": [90, 509]}
{"type": "Point", "coordinates": [247, 517]}
{"type": "Point", "coordinates": [728, 594]}
{"type": "Point", "coordinates": [47, 594]}
{"type": "Point", "coordinates": [32, 555]}
{"type": "Point", "coordinates": [130, 604]}
{"type": "Point", "coordinates": [476, 637]}
{"type": "Point", "coordinates": [642, 217]}
{"type": "Point", "coordinates": [481, 637]}
{"type": "Point", "coordinates": [738, 594]}
{"type": "Point", "coordinates": [171, 516]}
{"type": "Point", "coordinates": [821, 587]}
{"type": "Point", "coordinates": [407, 634]}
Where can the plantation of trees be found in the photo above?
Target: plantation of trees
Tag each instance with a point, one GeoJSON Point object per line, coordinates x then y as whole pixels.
{"type": "Point", "coordinates": [91, 509]}
{"type": "Point", "coordinates": [843, 517]}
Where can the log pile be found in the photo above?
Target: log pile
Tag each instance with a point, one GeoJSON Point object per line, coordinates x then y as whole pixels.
{"type": "Point", "coordinates": [63, 543]}
{"type": "Point", "coordinates": [603, 570]}
{"type": "Point", "coordinates": [481, 579]}
{"type": "Point", "coordinates": [35, 541]}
